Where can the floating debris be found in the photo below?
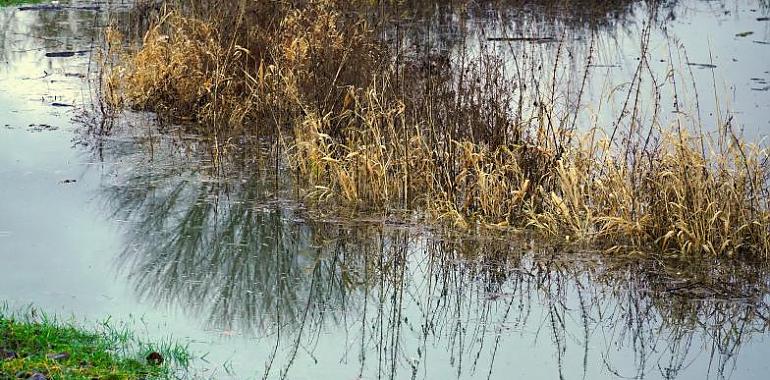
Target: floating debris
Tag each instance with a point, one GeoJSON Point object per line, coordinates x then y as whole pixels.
{"type": "Point", "coordinates": [523, 39]}
{"type": "Point", "coordinates": [41, 127]}
{"type": "Point", "coordinates": [703, 65]}
{"type": "Point", "coordinates": [56, 7]}
{"type": "Point", "coordinates": [66, 54]}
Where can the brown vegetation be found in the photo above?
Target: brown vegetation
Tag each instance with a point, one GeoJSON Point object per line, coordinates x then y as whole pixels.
{"type": "Point", "coordinates": [372, 124]}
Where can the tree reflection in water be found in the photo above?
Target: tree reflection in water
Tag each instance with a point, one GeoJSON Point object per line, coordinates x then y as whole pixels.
{"type": "Point", "coordinates": [396, 302]}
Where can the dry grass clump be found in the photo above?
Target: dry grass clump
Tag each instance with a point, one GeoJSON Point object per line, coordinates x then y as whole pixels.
{"type": "Point", "coordinates": [378, 129]}
{"type": "Point", "coordinates": [320, 55]}
{"type": "Point", "coordinates": [183, 72]}
{"type": "Point", "coordinates": [690, 202]}
{"type": "Point", "coordinates": [674, 199]}
{"type": "Point", "coordinates": [257, 63]}
{"type": "Point", "coordinates": [175, 72]}
{"type": "Point", "coordinates": [374, 156]}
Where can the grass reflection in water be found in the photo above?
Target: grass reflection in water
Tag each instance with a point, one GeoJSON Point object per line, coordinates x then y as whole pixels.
{"type": "Point", "coordinates": [400, 301]}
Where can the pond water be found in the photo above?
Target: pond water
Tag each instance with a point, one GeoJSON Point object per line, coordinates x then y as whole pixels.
{"type": "Point", "coordinates": [620, 64]}
{"type": "Point", "coordinates": [143, 229]}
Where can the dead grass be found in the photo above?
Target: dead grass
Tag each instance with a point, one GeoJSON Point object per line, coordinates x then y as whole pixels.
{"type": "Point", "coordinates": [375, 126]}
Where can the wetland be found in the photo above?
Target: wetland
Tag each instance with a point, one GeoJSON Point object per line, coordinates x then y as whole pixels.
{"type": "Point", "coordinates": [399, 190]}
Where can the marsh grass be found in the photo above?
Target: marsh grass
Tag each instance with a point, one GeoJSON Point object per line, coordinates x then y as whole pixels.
{"type": "Point", "coordinates": [371, 122]}
{"type": "Point", "coordinates": [37, 343]}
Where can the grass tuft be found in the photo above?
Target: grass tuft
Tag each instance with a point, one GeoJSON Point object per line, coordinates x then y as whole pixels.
{"type": "Point", "coordinates": [38, 344]}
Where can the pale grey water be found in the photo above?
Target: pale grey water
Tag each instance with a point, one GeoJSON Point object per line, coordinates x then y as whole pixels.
{"type": "Point", "coordinates": [150, 236]}
{"type": "Point", "coordinates": [708, 60]}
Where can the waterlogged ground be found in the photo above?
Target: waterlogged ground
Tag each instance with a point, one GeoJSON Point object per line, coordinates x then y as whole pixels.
{"type": "Point", "coordinates": [145, 230]}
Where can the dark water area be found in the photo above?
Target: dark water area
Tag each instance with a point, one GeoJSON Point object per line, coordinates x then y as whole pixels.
{"type": "Point", "coordinates": [146, 229]}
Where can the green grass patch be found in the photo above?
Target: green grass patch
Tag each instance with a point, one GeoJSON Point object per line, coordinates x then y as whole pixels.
{"type": "Point", "coordinates": [41, 346]}
{"type": "Point", "coordinates": [4, 3]}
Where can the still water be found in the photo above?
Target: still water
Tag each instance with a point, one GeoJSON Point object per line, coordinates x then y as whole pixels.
{"type": "Point", "coordinates": [143, 229]}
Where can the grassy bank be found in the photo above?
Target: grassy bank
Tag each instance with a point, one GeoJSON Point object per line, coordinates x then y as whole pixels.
{"type": "Point", "coordinates": [38, 347]}
{"type": "Point", "coordinates": [4, 3]}
{"type": "Point", "coordinates": [369, 122]}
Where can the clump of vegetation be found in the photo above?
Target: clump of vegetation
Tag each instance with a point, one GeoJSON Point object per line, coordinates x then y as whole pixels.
{"type": "Point", "coordinates": [674, 198]}
{"type": "Point", "coordinates": [4, 3]}
{"type": "Point", "coordinates": [42, 348]}
{"type": "Point", "coordinates": [254, 66]}
{"type": "Point", "coordinates": [373, 123]}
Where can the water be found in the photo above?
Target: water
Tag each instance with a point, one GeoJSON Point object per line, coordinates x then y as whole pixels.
{"type": "Point", "coordinates": [697, 61]}
{"type": "Point", "coordinates": [145, 230]}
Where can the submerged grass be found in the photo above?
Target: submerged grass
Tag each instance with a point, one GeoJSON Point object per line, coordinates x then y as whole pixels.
{"type": "Point", "coordinates": [37, 345]}
{"type": "Point", "coordinates": [368, 121]}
